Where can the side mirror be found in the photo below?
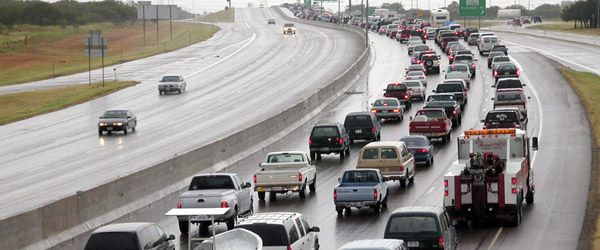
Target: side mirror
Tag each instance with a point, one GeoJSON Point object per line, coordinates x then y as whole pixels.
{"type": "Point", "coordinates": [171, 237]}
{"type": "Point", "coordinates": [534, 143]}
{"type": "Point", "coordinates": [128, 117]}
{"type": "Point", "coordinates": [410, 118]}
{"type": "Point", "coordinates": [315, 229]}
{"type": "Point", "coordinates": [384, 89]}
{"type": "Point", "coordinates": [260, 164]}
{"type": "Point", "coordinates": [523, 85]}
{"type": "Point", "coordinates": [475, 59]}
{"type": "Point", "coordinates": [482, 121]}
{"type": "Point", "coordinates": [248, 185]}
{"type": "Point", "coordinates": [493, 85]}
{"type": "Point", "coordinates": [339, 179]}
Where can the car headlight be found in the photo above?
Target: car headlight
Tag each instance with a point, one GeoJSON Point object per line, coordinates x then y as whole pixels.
{"type": "Point", "coordinates": [101, 124]}
{"type": "Point", "coordinates": [118, 123]}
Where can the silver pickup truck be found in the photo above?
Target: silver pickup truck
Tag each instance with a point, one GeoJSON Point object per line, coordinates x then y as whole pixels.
{"type": "Point", "coordinates": [217, 190]}
{"type": "Point", "coordinates": [283, 172]}
{"type": "Point", "coordinates": [360, 188]}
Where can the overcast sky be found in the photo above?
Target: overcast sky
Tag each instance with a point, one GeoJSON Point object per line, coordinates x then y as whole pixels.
{"type": "Point", "coordinates": [200, 6]}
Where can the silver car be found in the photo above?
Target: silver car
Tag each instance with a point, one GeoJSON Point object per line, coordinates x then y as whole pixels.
{"type": "Point", "coordinates": [388, 108]}
{"type": "Point", "coordinates": [117, 120]}
{"type": "Point", "coordinates": [171, 84]}
{"type": "Point", "coordinates": [417, 89]}
{"type": "Point", "coordinates": [416, 75]}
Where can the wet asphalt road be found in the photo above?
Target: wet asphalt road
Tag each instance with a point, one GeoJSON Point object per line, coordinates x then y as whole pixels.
{"type": "Point", "coordinates": [561, 165]}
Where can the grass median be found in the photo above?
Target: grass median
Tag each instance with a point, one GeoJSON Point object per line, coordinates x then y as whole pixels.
{"type": "Point", "coordinates": [566, 27]}
{"type": "Point", "coordinates": [224, 16]}
{"type": "Point", "coordinates": [587, 87]}
{"type": "Point", "coordinates": [20, 106]}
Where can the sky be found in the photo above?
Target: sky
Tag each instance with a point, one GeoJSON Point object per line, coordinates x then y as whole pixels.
{"type": "Point", "coordinates": [201, 6]}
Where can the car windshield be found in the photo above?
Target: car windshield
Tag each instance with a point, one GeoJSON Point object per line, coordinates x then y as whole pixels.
{"type": "Point", "coordinates": [459, 68]}
{"type": "Point", "coordinates": [360, 176]}
{"type": "Point", "coordinates": [385, 102]}
{"type": "Point", "coordinates": [431, 113]}
{"type": "Point", "coordinates": [501, 48]}
{"type": "Point", "coordinates": [285, 158]}
{"type": "Point", "coordinates": [463, 58]}
{"type": "Point", "coordinates": [507, 67]}
{"type": "Point", "coordinates": [415, 73]}
{"type": "Point", "coordinates": [422, 48]}
{"type": "Point", "coordinates": [170, 79]}
{"type": "Point", "coordinates": [501, 59]}
{"type": "Point", "coordinates": [211, 182]}
{"type": "Point", "coordinates": [288, 25]}
{"type": "Point", "coordinates": [412, 224]}
{"type": "Point", "coordinates": [112, 240]}
{"type": "Point", "coordinates": [414, 142]}
{"type": "Point", "coordinates": [508, 97]}
{"type": "Point", "coordinates": [115, 114]}
{"type": "Point", "coordinates": [447, 87]}
{"type": "Point", "coordinates": [324, 131]}
{"type": "Point", "coordinates": [271, 234]}
{"type": "Point", "coordinates": [497, 117]}
{"type": "Point", "coordinates": [358, 121]}
{"type": "Point", "coordinates": [413, 84]}
{"type": "Point", "coordinates": [441, 98]}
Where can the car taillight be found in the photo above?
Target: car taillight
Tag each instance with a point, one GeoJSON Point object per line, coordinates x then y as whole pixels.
{"type": "Point", "coordinates": [421, 77]}
{"type": "Point", "coordinates": [425, 36]}
{"type": "Point", "coordinates": [224, 204]}
{"type": "Point", "coordinates": [409, 127]}
{"type": "Point", "coordinates": [375, 194]}
{"type": "Point", "coordinates": [513, 180]}
{"type": "Point", "coordinates": [396, 110]}
{"type": "Point", "coordinates": [289, 248]}
{"type": "Point", "coordinates": [373, 129]}
{"type": "Point", "coordinates": [441, 242]}
{"type": "Point", "coordinates": [373, 111]}
{"type": "Point", "coordinates": [309, 141]}
{"type": "Point", "coordinates": [451, 57]}
{"type": "Point", "coordinates": [341, 141]}
{"type": "Point", "coordinates": [496, 73]}
{"type": "Point", "coordinates": [406, 96]}
{"type": "Point", "coordinates": [517, 72]}
{"type": "Point", "coordinates": [402, 168]}
{"type": "Point", "coordinates": [334, 194]}
{"type": "Point", "coordinates": [179, 205]}
{"type": "Point", "coordinates": [454, 112]}
{"type": "Point", "coordinates": [438, 62]}
{"type": "Point", "coordinates": [473, 65]}
{"type": "Point", "coordinates": [445, 126]}
{"type": "Point", "coordinates": [465, 92]}
{"type": "Point", "coordinates": [300, 177]}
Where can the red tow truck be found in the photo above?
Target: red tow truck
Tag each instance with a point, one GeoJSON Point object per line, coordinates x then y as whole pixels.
{"type": "Point", "coordinates": [492, 176]}
{"type": "Point", "coordinates": [431, 122]}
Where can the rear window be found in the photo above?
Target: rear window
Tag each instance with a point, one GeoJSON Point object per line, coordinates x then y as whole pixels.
{"type": "Point", "coordinates": [462, 57]}
{"type": "Point", "coordinates": [501, 117]}
{"type": "Point", "coordinates": [211, 182]}
{"type": "Point", "coordinates": [388, 153]}
{"type": "Point", "coordinates": [285, 158]}
{"type": "Point", "coordinates": [412, 224]}
{"type": "Point", "coordinates": [324, 132]}
{"type": "Point", "coordinates": [461, 68]}
{"type": "Point", "coordinates": [441, 98]}
{"type": "Point", "coordinates": [508, 97]}
{"type": "Point", "coordinates": [358, 121]}
{"type": "Point", "coordinates": [360, 176]}
{"type": "Point", "coordinates": [370, 153]}
{"type": "Point", "coordinates": [501, 59]}
{"type": "Point", "coordinates": [113, 241]}
{"type": "Point", "coordinates": [431, 113]}
{"type": "Point", "coordinates": [414, 142]}
{"type": "Point", "coordinates": [505, 84]}
{"type": "Point", "coordinates": [446, 87]}
{"type": "Point", "coordinates": [385, 102]}
{"type": "Point", "coordinates": [271, 235]}
{"type": "Point", "coordinates": [413, 84]}
{"type": "Point", "coordinates": [396, 88]}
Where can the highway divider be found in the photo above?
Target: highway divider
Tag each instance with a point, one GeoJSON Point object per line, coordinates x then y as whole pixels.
{"type": "Point", "coordinates": [75, 215]}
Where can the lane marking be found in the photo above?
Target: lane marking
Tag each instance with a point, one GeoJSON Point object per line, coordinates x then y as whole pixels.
{"type": "Point", "coordinates": [430, 190]}
{"type": "Point", "coordinates": [495, 238]}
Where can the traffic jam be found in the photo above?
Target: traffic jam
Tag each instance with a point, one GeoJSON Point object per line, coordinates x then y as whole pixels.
{"type": "Point", "coordinates": [489, 181]}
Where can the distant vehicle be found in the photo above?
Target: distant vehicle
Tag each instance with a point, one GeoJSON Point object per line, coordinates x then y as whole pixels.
{"type": "Point", "coordinates": [511, 98]}
{"type": "Point", "coordinates": [454, 86]}
{"type": "Point", "coordinates": [500, 47]}
{"type": "Point", "coordinates": [416, 75]}
{"type": "Point", "coordinates": [431, 122]}
{"type": "Point", "coordinates": [117, 120]}
{"type": "Point", "coordinates": [430, 35]}
{"type": "Point", "coordinates": [362, 126]}
{"type": "Point", "coordinates": [505, 70]}
{"type": "Point", "coordinates": [459, 71]}
{"type": "Point", "coordinates": [504, 118]}
{"type": "Point", "coordinates": [289, 28]}
{"type": "Point", "coordinates": [498, 60]}
{"type": "Point", "coordinates": [392, 158]}
{"type": "Point", "coordinates": [420, 147]}
{"type": "Point", "coordinates": [422, 227]}
{"type": "Point", "coordinates": [130, 236]}
{"type": "Point", "coordinates": [271, 21]}
{"type": "Point", "coordinates": [360, 188]}
{"type": "Point", "coordinates": [411, 46]}
{"type": "Point", "coordinates": [285, 171]}
{"type": "Point", "coordinates": [439, 17]}
{"type": "Point", "coordinates": [416, 67]}
{"type": "Point", "coordinates": [472, 39]}
{"type": "Point", "coordinates": [282, 230]}
{"type": "Point", "coordinates": [399, 91]}
{"type": "Point", "coordinates": [431, 63]}
{"type": "Point", "coordinates": [379, 244]}
{"type": "Point", "coordinates": [509, 83]}
{"type": "Point", "coordinates": [216, 190]}
{"type": "Point", "coordinates": [453, 48]}
{"type": "Point", "coordinates": [468, 32]}
{"type": "Point", "coordinates": [404, 35]}
{"type": "Point", "coordinates": [486, 43]}
{"type": "Point", "coordinates": [421, 48]}
{"type": "Point", "coordinates": [388, 108]}
{"type": "Point", "coordinates": [261, 5]}
{"type": "Point", "coordinates": [457, 53]}
{"type": "Point", "coordinates": [536, 19]}
{"type": "Point", "coordinates": [328, 138]}
{"type": "Point", "coordinates": [416, 88]}
{"type": "Point", "coordinates": [170, 84]}
{"type": "Point", "coordinates": [468, 60]}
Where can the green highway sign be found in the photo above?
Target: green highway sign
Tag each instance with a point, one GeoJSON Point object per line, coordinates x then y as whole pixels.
{"type": "Point", "coordinates": [472, 8]}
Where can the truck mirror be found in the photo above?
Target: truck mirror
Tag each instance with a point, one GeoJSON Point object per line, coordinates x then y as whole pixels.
{"type": "Point", "coordinates": [339, 179]}
{"type": "Point", "coordinates": [523, 85]}
{"type": "Point", "coordinates": [534, 143]}
{"type": "Point", "coordinates": [482, 121]}
{"type": "Point", "coordinates": [315, 229]}
{"type": "Point", "coordinates": [247, 185]}
{"type": "Point", "coordinates": [171, 237]}
{"type": "Point", "coordinates": [529, 97]}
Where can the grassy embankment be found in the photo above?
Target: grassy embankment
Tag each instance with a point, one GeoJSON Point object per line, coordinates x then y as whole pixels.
{"type": "Point", "coordinates": [31, 53]}
{"type": "Point", "coordinates": [224, 16]}
{"type": "Point", "coordinates": [19, 106]}
{"type": "Point", "coordinates": [566, 27]}
{"type": "Point", "coordinates": [587, 86]}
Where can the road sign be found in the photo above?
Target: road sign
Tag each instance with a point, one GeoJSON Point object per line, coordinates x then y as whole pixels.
{"type": "Point", "coordinates": [97, 47]}
{"type": "Point", "coordinates": [472, 8]}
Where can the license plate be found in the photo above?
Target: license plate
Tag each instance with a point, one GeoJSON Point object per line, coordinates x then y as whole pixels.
{"type": "Point", "coordinates": [413, 244]}
{"type": "Point", "coordinates": [109, 128]}
{"type": "Point", "coordinates": [384, 111]}
{"type": "Point", "coordinates": [358, 131]}
{"type": "Point", "coordinates": [277, 188]}
{"type": "Point", "coordinates": [325, 149]}
{"type": "Point", "coordinates": [507, 73]}
{"type": "Point", "coordinates": [200, 217]}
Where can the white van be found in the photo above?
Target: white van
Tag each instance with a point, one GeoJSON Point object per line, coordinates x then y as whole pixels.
{"type": "Point", "coordinates": [379, 244]}
{"type": "Point", "coordinates": [485, 43]}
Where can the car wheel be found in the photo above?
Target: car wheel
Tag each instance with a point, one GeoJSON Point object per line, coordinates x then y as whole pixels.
{"type": "Point", "coordinates": [384, 203]}
{"type": "Point", "coordinates": [403, 183]}
{"type": "Point", "coordinates": [160, 92]}
{"type": "Point", "coordinates": [125, 130]}
{"type": "Point", "coordinates": [261, 195]}
{"type": "Point", "coordinates": [313, 186]}
{"type": "Point", "coordinates": [348, 151]}
{"type": "Point", "coordinates": [377, 207]}
{"type": "Point", "coordinates": [272, 196]}
{"type": "Point", "coordinates": [319, 156]}
{"type": "Point", "coordinates": [444, 139]}
{"type": "Point", "coordinates": [134, 125]}
{"type": "Point", "coordinates": [302, 192]}
{"type": "Point", "coordinates": [342, 154]}
{"type": "Point", "coordinates": [428, 162]}
{"type": "Point", "coordinates": [183, 227]}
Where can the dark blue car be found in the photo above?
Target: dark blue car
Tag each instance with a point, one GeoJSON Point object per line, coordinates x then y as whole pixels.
{"type": "Point", "coordinates": [420, 147]}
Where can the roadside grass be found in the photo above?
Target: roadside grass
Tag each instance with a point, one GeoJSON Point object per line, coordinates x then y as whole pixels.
{"type": "Point", "coordinates": [567, 27]}
{"type": "Point", "coordinates": [53, 51]}
{"type": "Point", "coordinates": [587, 88]}
{"type": "Point", "coordinates": [224, 16]}
{"type": "Point", "coordinates": [23, 105]}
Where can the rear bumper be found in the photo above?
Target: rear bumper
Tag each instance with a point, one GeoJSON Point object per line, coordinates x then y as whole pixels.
{"type": "Point", "coordinates": [327, 150]}
{"type": "Point", "coordinates": [355, 203]}
{"type": "Point", "coordinates": [388, 115]}
{"type": "Point", "coordinates": [111, 128]}
{"type": "Point", "coordinates": [421, 157]}
{"type": "Point", "coordinates": [277, 188]}
{"type": "Point", "coordinates": [218, 218]}
{"type": "Point", "coordinates": [366, 136]}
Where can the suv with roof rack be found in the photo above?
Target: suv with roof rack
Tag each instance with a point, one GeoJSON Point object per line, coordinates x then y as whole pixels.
{"type": "Point", "coordinates": [282, 229]}
{"type": "Point", "coordinates": [327, 138]}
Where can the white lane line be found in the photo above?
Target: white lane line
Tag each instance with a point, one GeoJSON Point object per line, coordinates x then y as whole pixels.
{"type": "Point", "coordinates": [430, 190]}
{"type": "Point", "coordinates": [495, 238]}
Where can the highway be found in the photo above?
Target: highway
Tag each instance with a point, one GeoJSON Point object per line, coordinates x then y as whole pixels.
{"type": "Point", "coordinates": [562, 164]}
{"type": "Point", "coordinates": [245, 74]}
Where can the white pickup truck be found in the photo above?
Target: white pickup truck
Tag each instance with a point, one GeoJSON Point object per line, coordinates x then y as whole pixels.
{"type": "Point", "coordinates": [283, 172]}
{"type": "Point", "coordinates": [216, 190]}
{"type": "Point", "coordinates": [459, 71]}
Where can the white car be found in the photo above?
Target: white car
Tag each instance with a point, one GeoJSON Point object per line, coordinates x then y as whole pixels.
{"type": "Point", "coordinates": [417, 89]}
{"type": "Point", "coordinates": [416, 75]}
{"type": "Point", "coordinates": [289, 28]}
{"type": "Point", "coordinates": [283, 230]}
{"type": "Point", "coordinates": [459, 71]}
{"type": "Point", "coordinates": [171, 84]}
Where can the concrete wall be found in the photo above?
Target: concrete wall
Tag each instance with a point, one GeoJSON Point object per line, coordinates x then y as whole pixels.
{"type": "Point", "coordinates": [71, 216]}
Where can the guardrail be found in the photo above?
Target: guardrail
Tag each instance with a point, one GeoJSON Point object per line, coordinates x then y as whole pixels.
{"type": "Point", "coordinates": [71, 216]}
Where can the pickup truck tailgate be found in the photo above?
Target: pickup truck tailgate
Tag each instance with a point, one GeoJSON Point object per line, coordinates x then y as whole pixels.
{"type": "Point", "coordinates": [429, 126]}
{"type": "Point", "coordinates": [279, 177]}
{"type": "Point", "coordinates": [203, 198]}
{"type": "Point", "coordinates": [356, 192]}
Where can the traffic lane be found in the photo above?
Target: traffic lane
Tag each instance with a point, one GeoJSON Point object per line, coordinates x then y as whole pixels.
{"type": "Point", "coordinates": [162, 128]}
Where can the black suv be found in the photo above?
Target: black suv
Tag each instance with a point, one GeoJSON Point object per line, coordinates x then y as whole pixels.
{"type": "Point", "coordinates": [505, 71]}
{"type": "Point", "coordinates": [362, 125]}
{"type": "Point", "coordinates": [327, 138]}
{"type": "Point", "coordinates": [468, 32]}
{"type": "Point", "coordinates": [501, 48]}
{"type": "Point", "coordinates": [431, 62]}
{"type": "Point", "coordinates": [422, 227]}
{"type": "Point", "coordinates": [504, 118]}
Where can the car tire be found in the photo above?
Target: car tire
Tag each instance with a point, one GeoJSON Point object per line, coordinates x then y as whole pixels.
{"type": "Point", "coordinates": [302, 192]}
{"type": "Point", "coordinates": [134, 125]}
{"type": "Point", "coordinates": [313, 186]}
{"type": "Point", "coordinates": [342, 156]}
{"type": "Point", "coordinates": [384, 203]}
{"type": "Point", "coordinates": [377, 207]}
{"type": "Point", "coordinates": [125, 130]}
{"type": "Point", "coordinates": [379, 137]}
{"type": "Point", "coordinates": [319, 156]}
{"type": "Point", "coordinates": [351, 141]}
{"type": "Point", "coordinates": [429, 161]}
{"type": "Point", "coordinates": [339, 210]}
{"type": "Point", "coordinates": [204, 227]}
{"type": "Point", "coordinates": [403, 183]}
{"type": "Point", "coordinates": [100, 132]}
{"type": "Point", "coordinates": [183, 227]}
{"type": "Point", "coordinates": [444, 140]}
{"type": "Point", "coordinates": [261, 195]}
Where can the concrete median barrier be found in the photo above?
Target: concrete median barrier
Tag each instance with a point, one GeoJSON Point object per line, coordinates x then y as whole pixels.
{"type": "Point", "coordinates": [86, 210]}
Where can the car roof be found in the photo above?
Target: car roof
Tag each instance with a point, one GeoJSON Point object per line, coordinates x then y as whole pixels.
{"type": "Point", "coordinates": [414, 136]}
{"type": "Point", "coordinates": [123, 227]}
{"type": "Point", "coordinates": [359, 113]}
{"type": "Point", "coordinates": [384, 144]}
{"type": "Point", "coordinates": [268, 218]}
{"type": "Point", "coordinates": [419, 210]}
{"type": "Point", "coordinates": [374, 244]}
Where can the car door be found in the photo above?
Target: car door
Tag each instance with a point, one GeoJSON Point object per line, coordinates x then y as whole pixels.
{"type": "Point", "coordinates": [244, 197]}
{"type": "Point", "coordinates": [304, 235]}
{"type": "Point", "coordinates": [408, 161]}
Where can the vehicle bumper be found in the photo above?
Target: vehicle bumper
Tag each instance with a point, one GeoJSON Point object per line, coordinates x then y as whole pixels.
{"type": "Point", "coordinates": [430, 134]}
{"type": "Point", "coordinates": [388, 115]}
{"type": "Point", "coordinates": [392, 176]}
{"type": "Point", "coordinates": [278, 188]}
{"type": "Point", "coordinates": [327, 150]}
{"type": "Point", "coordinates": [361, 135]}
{"type": "Point", "coordinates": [111, 128]}
{"type": "Point", "coordinates": [355, 203]}
{"type": "Point", "coordinates": [205, 218]}
{"type": "Point", "coordinates": [421, 157]}
{"type": "Point", "coordinates": [167, 89]}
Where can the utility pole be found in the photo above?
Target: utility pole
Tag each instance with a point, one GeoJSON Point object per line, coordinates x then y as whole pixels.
{"type": "Point", "coordinates": [367, 27]}
{"type": "Point", "coordinates": [144, 22]}
{"type": "Point", "coordinates": [171, 20]}
{"type": "Point", "coordinates": [157, 37]}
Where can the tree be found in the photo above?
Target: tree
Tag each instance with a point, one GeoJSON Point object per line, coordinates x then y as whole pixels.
{"type": "Point", "coordinates": [547, 11]}
{"type": "Point", "coordinates": [453, 10]}
{"type": "Point", "coordinates": [395, 7]}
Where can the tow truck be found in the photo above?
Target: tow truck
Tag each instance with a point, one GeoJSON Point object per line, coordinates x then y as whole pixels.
{"type": "Point", "coordinates": [491, 177]}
